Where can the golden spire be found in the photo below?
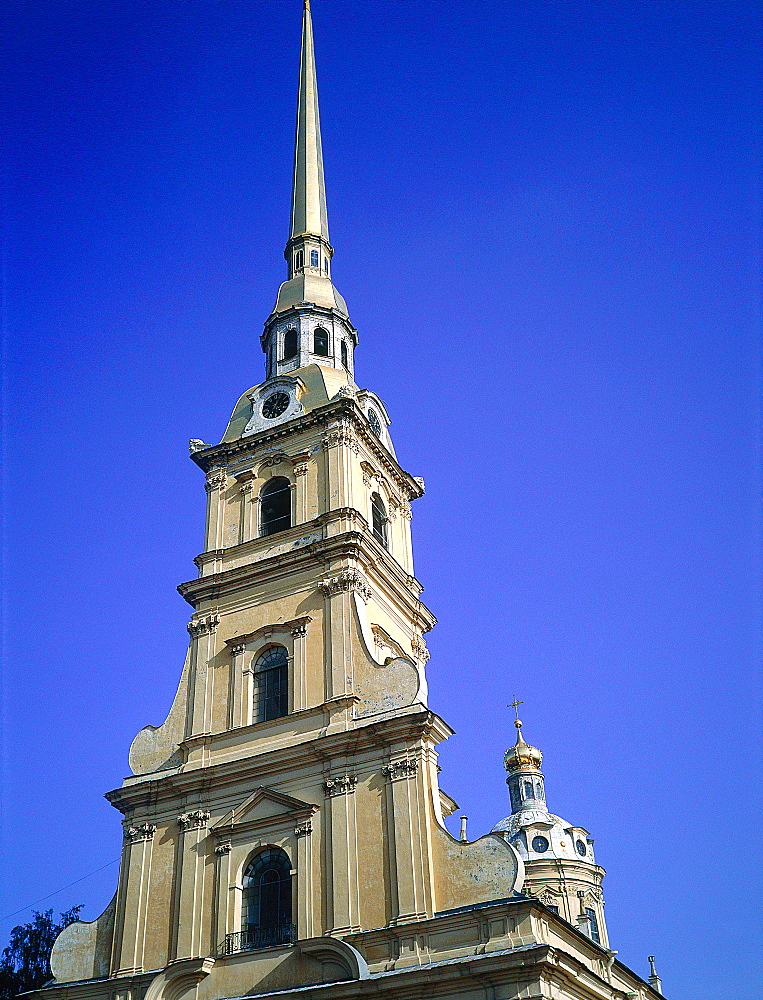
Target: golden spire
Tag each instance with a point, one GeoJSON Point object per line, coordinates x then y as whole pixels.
{"type": "Point", "coordinates": [308, 206]}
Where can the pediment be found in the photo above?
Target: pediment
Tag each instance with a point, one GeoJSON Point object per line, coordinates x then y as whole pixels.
{"type": "Point", "coordinates": [262, 805]}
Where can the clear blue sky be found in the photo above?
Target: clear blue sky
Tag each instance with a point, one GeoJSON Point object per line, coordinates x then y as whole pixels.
{"type": "Point", "coordinates": [545, 217]}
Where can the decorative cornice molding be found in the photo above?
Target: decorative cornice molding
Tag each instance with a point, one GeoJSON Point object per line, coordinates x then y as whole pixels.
{"type": "Point", "coordinates": [143, 831]}
{"type": "Point", "coordinates": [203, 626]}
{"type": "Point", "coordinates": [347, 580]}
{"type": "Point", "coordinates": [193, 820]}
{"type": "Point", "coordinates": [303, 830]}
{"type": "Point", "coordinates": [342, 785]}
{"type": "Point", "coordinates": [279, 628]}
{"type": "Point", "coordinates": [407, 768]}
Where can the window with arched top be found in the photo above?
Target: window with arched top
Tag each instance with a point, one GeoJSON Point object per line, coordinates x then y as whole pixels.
{"type": "Point", "coordinates": [266, 911]}
{"type": "Point", "coordinates": [321, 342]}
{"type": "Point", "coordinates": [379, 519]}
{"type": "Point", "coordinates": [289, 344]}
{"type": "Point", "coordinates": [275, 505]}
{"type": "Point", "coordinates": [299, 260]}
{"type": "Point", "coordinates": [271, 679]}
{"type": "Point", "coordinates": [344, 353]}
{"type": "Point", "coordinates": [315, 260]}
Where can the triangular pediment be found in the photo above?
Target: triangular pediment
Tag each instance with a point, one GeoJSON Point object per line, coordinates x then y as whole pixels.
{"type": "Point", "coordinates": [264, 803]}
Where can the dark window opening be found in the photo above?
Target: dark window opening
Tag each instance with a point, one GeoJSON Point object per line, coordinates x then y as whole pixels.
{"type": "Point", "coordinates": [272, 679]}
{"type": "Point", "coordinates": [299, 260]}
{"type": "Point", "coordinates": [594, 924]}
{"type": "Point", "coordinates": [554, 909]}
{"type": "Point", "coordinates": [289, 344]}
{"type": "Point", "coordinates": [275, 506]}
{"type": "Point", "coordinates": [266, 906]}
{"type": "Point", "coordinates": [315, 260]}
{"type": "Point", "coordinates": [321, 342]}
{"type": "Point", "coordinates": [379, 519]}
{"type": "Point", "coordinates": [344, 353]}
{"type": "Point", "coordinates": [529, 790]}
{"type": "Point", "coordinates": [326, 264]}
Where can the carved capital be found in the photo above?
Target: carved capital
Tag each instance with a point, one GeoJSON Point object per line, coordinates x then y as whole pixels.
{"type": "Point", "coordinates": [419, 648]}
{"type": "Point", "coordinates": [203, 626]}
{"type": "Point", "coordinates": [193, 820]}
{"type": "Point", "coordinates": [341, 436]}
{"type": "Point", "coordinates": [298, 631]}
{"type": "Point", "coordinates": [238, 649]}
{"type": "Point", "coordinates": [304, 829]}
{"type": "Point", "coordinates": [342, 785]}
{"type": "Point", "coordinates": [301, 470]}
{"type": "Point", "coordinates": [347, 580]}
{"type": "Point", "coordinates": [401, 768]}
{"type": "Point", "coordinates": [246, 487]}
{"type": "Point", "coordinates": [216, 481]}
{"type": "Point", "coordinates": [143, 831]}
{"type": "Point", "coordinates": [223, 849]}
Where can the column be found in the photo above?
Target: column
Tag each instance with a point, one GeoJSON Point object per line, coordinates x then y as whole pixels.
{"type": "Point", "coordinates": [305, 915]}
{"type": "Point", "coordinates": [202, 631]}
{"type": "Point", "coordinates": [215, 487]}
{"type": "Point", "coordinates": [299, 668]}
{"type": "Point", "coordinates": [191, 914]}
{"type": "Point", "coordinates": [301, 513]}
{"type": "Point", "coordinates": [139, 840]}
{"type": "Point", "coordinates": [247, 522]}
{"type": "Point", "coordinates": [224, 897]}
{"type": "Point", "coordinates": [403, 806]}
{"type": "Point", "coordinates": [343, 883]}
{"type": "Point", "coordinates": [237, 711]}
{"type": "Point", "coordinates": [338, 628]}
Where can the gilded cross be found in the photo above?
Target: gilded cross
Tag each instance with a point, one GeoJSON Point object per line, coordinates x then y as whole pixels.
{"type": "Point", "coordinates": [515, 705]}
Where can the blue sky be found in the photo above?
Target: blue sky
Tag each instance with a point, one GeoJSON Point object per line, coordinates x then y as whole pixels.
{"type": "Point", "coordinates": [546, 217]}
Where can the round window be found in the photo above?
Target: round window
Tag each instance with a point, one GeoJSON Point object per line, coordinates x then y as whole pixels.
{"type": "Point", "coordinates": [375, 423]}
{"type": "Point", "coordinates": [540, 845]}
{"type": "Point", "coordinates": [580, 848]}
{"type": "Point", "coordinates": [275, 405]}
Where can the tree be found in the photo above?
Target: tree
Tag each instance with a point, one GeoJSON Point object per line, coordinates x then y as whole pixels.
{"type": "Point", "coordinates": [25, 964]}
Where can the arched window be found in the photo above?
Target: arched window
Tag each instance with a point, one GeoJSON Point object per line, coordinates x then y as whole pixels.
{"type": "Point", "coordinates": [321, 342]}
{"type": "Point", "coordinates": [379, 519]}
{"type": "Point", "coordinates": [289, 344]}
{"type": "Point", "coordinates": [344, 353]}
{"type": "Point", "coordinates": [275, 506]}
{"type": "Point", "coordinates": [529, 790]}
{"type": "Point", "coordinates": [272, 684]}
{"type": "Point", "coordinates": [266, 904]}
{"type": "Point", "coordinates": [299, 260]}
{"type": "Point", "coordinates": [315, 260]}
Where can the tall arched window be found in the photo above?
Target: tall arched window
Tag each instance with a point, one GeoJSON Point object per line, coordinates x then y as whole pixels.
{"type": "Point", "coordinates": [344, 353]}
{"type": "Point", "coordinates": [321, 342]}
{"type": "Point", "coordinates": [299, 260]}
{"type": "Point", "coordinates": [289, 344]}
{"type": "Point", "coordinates": [271, 684]}
{"type": "Point", "coordinates": [379, 519]}
{"type": "Point", "coordinates": [266, 904]}
{"type": "Point", "coordinates": [275, 506]}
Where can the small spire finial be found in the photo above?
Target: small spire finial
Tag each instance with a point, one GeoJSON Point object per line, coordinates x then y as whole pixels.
{"type": "Point", "coordinates": [518, 722]}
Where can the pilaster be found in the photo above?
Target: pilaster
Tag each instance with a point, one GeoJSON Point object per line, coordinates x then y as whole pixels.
{"type": "Point", "coordinates": [202, 630]}
{"type": "Point", "coordinates": [342, 880]}
{"type": "Point", "coordinates": [137, 856]}
{"type": "Point", "coordinates": [225, 895]}
{"type": "Point", "coordinates": [191, 913]}
{"type": "Point", "coordinates": [306, 902]}
{"type": "Point", "coordinates": [405, 840]}
{"type": "Point", "coordinates": [338, 593]}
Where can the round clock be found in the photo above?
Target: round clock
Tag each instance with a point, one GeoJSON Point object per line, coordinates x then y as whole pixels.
{"type": "Point", "coordinates": [540, 845]}
{"type": "Point", "coordinates": [375, 423]}
{"type": "Point", "coordinates": [275, 405]}
{"type": "Point", "coordinates": [580, 848]}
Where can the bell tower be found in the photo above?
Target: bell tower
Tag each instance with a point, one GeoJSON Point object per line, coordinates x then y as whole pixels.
{"type": "Point", "coordinates": [284, 826]}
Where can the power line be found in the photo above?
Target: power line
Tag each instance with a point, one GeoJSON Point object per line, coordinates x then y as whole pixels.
{"type": "Point", "coordinates": [29, 905]}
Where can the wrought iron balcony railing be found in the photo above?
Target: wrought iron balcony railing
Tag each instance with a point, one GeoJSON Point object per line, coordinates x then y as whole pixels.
{"type": "Point", "coordinates": [258, 937]}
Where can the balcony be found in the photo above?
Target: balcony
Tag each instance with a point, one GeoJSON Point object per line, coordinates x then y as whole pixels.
{"type": "Point", "coordinates": [258, 937]}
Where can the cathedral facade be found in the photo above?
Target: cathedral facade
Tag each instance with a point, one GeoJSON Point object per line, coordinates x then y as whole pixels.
{"type": "Point", "coordinates": [284, 828]}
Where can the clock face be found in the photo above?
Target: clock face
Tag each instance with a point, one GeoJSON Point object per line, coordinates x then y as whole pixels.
{"type": "Point", "coordinates": [540, 845]}
{"type": "Point", "coordinates": [275, 405]}
{"type": "Point", "coordinates": [375, 423]}
{"type": "Point", "coordinates": [580, 848]}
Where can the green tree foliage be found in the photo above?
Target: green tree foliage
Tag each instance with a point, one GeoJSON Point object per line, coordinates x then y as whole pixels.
{"type": "Point", "coordinates": [25, 964]}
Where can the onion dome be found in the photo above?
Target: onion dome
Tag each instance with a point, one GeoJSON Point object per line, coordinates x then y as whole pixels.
{"type": "Point", "coordinates": [522, 757]}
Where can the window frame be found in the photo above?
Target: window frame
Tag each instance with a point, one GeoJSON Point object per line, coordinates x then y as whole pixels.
{"type": "Point", "coordinates": [262, 525]}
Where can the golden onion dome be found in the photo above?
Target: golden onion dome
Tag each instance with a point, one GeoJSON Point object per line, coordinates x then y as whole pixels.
{"type": "Point", "coordinates": [522, 756]}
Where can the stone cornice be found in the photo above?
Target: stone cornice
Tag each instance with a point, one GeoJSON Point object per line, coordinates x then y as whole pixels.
{"type": "Point", "coordinates": [351, 546]}
{"type": "Point", "coordinates": [400, 729]}
{"type": "Point", "coordinates": [343, 407]}
{"type": "Point", "coordinates": [290, 626]}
